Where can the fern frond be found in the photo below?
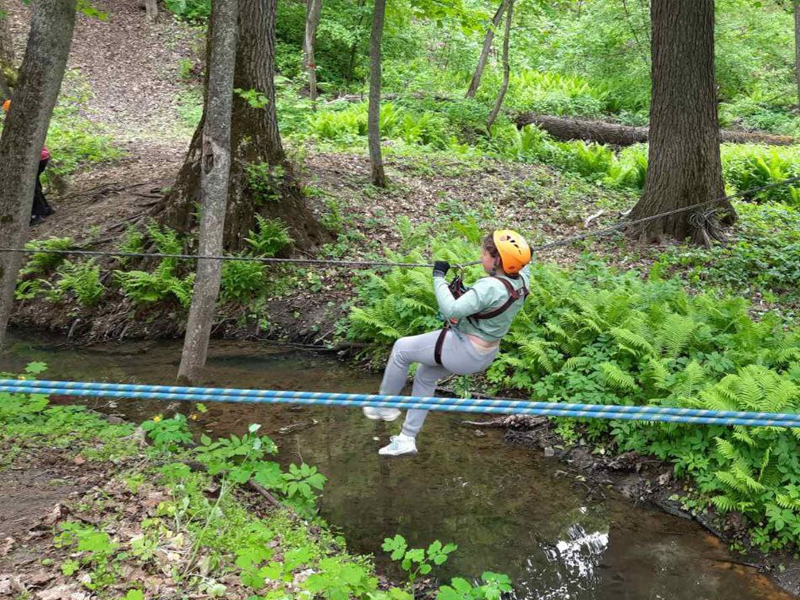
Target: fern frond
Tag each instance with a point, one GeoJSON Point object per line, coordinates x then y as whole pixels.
{"type": "Point", "coordinates": [631, 340]}
{"type": "Point", "coordinates": [616, 377]}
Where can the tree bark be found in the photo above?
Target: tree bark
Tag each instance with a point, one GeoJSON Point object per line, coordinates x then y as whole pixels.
{"type": "Point", "coordinates": [487, 47]}
{"type": "Point", "coordinates": [215, 165]}
{"type": "Point", "coordinates": [565, 128]}
{"type": "Point", "coordinates": [7, 57]}
{"type": "Point", "coordinates": [797, 46]}
{"type": "Point", "coordinates": [5, 91]}
{"type": "Point", "coordinates": [684, 161]}
{"type": "Point", "coordinates": [374, 115]}
{"type": "Point", "coordinates": [506, 69]}
{"type": "Point", "coordinates": [309, 41]}
{"type": "Point", "coordinates": [255, 141]}
{"type": "Point", "coordinates": [25, 130]}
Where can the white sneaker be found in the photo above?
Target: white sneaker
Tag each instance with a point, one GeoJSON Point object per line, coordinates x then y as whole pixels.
{"type": "Point", "coordinates": [387, 414]}
{"type": "Point", "coordinates": [401, 444]}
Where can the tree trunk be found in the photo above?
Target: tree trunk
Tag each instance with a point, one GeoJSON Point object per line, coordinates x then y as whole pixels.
{"type": "Point", "coordinates": [684, 160]}
{"type": "Point", "coordinates": [5, 91]}
{"type": "Point", "coordinates": [487, 47]}
{"type": "Point", "coordinates": [601, 132]}
{"type": "Point", "coordinates": [215, 165]}
{"type": "Point", "coordinates": [506, 69]}
{"type": "Point", "coordinates": [797, 46]}
{"type": "Point", "coordinates": [312, 22]}
{"type": "Point", "coordinates": [151, 6]}
{"type": "Point", "coordinates": [7, 57]}
{"type": "Point", "coordinates": [25, 130]}
{"type": "Point", "coordinates": [374, 116]}
{"type": "Point", "coordinates": [255, 143]}
{"type": "Point", "coordinates": [351, 63]}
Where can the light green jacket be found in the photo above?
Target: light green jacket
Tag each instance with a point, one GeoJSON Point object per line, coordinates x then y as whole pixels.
{"type": "Point", "coordinates": [486, 294]}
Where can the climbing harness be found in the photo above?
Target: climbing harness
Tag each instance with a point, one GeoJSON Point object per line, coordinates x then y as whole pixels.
{"type": "Point", "coordinates": [502, 406]}
{"type": "Point", "coordinates": [458, 289]}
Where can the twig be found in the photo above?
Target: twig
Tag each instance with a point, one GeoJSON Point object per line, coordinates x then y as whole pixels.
{"type": "Point", "coordinates": [591, 218]}
{"type": "Point", "coordinates": [263, 491]}
{"type": "Point", "coordinates": [497, 423]}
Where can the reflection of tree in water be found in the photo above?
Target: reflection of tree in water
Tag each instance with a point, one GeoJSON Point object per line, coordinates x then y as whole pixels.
{"type": "Point", "coordinates": [567, 562]}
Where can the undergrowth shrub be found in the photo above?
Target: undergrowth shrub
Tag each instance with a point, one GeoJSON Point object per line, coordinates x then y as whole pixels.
{"type": "Point", "coordinates": [270, 237]}
{"type": "Point", "coordinates": [762, 256]}
{"type": "Point", "coordinates": [349, 125]}
{"type": "Point", "coordinates": [81, 279]}
{"type": "Point", "coordinates": [39, 263]}
{"type": "Point", "coordinates": [241, 280]}
{"type": "Point", "coordinates": [163, 282]}
{"type": "Point", "coordinates": [191, 10]}
{"type": "Point", "coordinates": [747, 166]}
{"type": "Point", "coordinates": [594, 336]}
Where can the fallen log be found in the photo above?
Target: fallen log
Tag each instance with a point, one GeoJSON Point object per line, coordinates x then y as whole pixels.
{"type": "Point", "coordinates": [602, 132]}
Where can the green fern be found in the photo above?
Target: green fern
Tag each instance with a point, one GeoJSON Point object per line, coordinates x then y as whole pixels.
{"type": "Point", "coordinates": [632, 342]}
{"type": "Point", "coordinates": [617, 378]}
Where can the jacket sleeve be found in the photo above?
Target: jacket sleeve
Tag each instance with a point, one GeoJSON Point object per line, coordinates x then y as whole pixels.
{"type": "Point", "coordinates": [473, 301]}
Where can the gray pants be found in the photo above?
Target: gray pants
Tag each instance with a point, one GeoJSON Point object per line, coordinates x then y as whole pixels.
{"type": "Point", "coordinates": [459, 357]}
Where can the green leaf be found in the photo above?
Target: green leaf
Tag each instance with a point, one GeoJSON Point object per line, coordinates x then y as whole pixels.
{"type": "Point", "coordinates": [35, 368]}
{"type": "Point", "coordinates": [134, 595]}
{"type": "Point", "coordinates": [69, 567]}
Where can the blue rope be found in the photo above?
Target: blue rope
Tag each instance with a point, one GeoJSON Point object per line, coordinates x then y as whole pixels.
{"type": "Point", "coordinates": [503, 406]}
{"type": "Point", "coordinates": [212, 394]}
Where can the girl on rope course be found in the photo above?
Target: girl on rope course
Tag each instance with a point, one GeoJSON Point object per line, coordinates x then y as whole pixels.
{"type": "Point", "coordinates": [476, 319]}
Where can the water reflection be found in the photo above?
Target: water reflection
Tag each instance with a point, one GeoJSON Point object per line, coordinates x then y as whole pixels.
{"type": "Point", "coordinates": [509, 509]}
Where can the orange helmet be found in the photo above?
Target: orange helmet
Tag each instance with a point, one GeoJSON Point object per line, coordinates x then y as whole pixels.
{"type": "Point", "coordinates": [513, 249]}
{"type": "Point", "coordinates": [6, 105]}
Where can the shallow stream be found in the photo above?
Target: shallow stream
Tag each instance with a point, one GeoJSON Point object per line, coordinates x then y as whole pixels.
{"type": "Point", "coordinates": [509, 509]}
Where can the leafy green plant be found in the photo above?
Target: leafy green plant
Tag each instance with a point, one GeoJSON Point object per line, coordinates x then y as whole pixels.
{"type": "Point", "coordinates": [162, 283]}
{"type": "Point", "coordinates": [81, 279]}
{"type": "Point", "coordinates": [40, 263]}
{"type": "Point", "coordinates": [339, 579]}
{"type": "Point", "coordinates": [264, 182]}
{"type": "Point", "coordinates": [190, 10]}
{"type": "Point", "coordinates": [96, 553]}
{"type": "Point", "coordinates": [417, 561]}
{"type": "Point", "coordinates": [299, 485]}
{"type": "Point", "coordinates": [168, 434]}
{"type": "Point", "coordinates": [587, 159]}
{"type": "Point", "coordinates": [144, 287]}
{"type": "Point", "coordinates": [493, 587]}
{"type": "Point", "coordinates": [254, 98]}
{"type": "Point", "coordinates": [241, 280]}
{"type": "Point", "coordinates": [630, 169]}
{"type": "Point", "coordinates": [270, 237]}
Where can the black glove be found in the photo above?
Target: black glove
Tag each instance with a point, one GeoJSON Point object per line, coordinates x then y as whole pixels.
{"type": "Point", "coordinates": [440, 268]}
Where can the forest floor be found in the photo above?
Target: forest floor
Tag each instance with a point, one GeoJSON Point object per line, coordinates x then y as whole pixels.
{"type": "Point", "coordinates": [138, 73]}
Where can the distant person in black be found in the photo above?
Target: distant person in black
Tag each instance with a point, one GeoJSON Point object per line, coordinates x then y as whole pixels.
{"type": "Point", "coordinates": [41, 207]}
